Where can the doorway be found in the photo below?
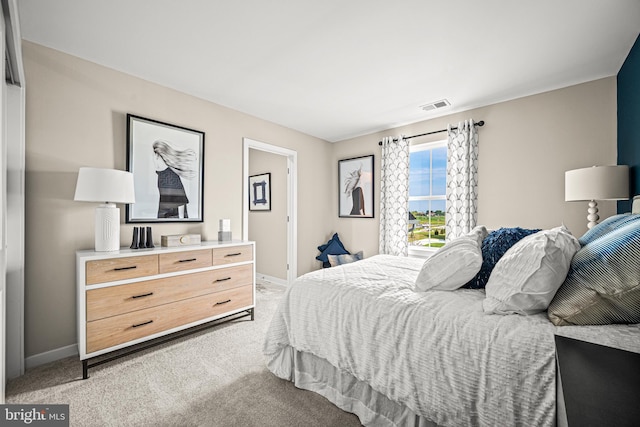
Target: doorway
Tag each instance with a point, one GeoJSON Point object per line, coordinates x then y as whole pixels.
{"type": "Point", "coordinates": [290, 193]}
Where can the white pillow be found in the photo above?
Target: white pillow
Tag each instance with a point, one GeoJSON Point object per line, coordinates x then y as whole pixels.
{"type": "Point", "coordinates": [454, 264]}
{"type": "Point", "coordinates": [530, 273]}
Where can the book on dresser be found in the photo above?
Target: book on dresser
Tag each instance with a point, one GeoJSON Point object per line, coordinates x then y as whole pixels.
{"type": "Point", "coordinates": [128, 297]}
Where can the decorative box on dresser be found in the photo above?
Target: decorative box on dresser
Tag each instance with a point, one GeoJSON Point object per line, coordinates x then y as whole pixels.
{"type": "Point", "coordinates": [130, 296]}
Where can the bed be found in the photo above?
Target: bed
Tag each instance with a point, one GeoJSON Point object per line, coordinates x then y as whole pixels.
{"type": "Point", "coordinates": [359, 335]}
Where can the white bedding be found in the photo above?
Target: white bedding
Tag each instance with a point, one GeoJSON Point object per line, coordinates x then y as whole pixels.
{"type": "Point", "coordinates": [437, 352]}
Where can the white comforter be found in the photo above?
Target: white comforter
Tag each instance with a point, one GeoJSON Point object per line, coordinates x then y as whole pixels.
{"type": "Point", "coordinates": [435, 352]}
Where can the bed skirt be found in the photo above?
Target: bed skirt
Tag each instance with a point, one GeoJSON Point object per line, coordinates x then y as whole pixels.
{"type": "Point", "coordinates": [312, 373]}
{"type": "Point", "coordinates": [309, 372]}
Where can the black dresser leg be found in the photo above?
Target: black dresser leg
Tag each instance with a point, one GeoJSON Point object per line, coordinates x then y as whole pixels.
{"type": "Point", "coordinates": [85, 369]}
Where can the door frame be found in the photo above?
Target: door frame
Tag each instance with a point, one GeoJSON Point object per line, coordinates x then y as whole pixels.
{"type": "Point", "coordinates": [292, 199]}
{"type": "Point", "coordinates": [12, 142]}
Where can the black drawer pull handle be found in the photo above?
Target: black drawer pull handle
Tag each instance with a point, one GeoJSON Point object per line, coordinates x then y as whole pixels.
{"type": "Point", "coordinates": [142, 324]}
{"type": "Point", "coordinates": [223, 280]}
{"type": "Point", "coordinates": [236, 254]}
{"type": "Point", "coordinates": [188, 260]}
{"type": "Point", "coordinates": [223, 302]}
{"type": "Point", "coordinates": [143, 295]}
{"type": "Point", "coordinates": [125, 268]}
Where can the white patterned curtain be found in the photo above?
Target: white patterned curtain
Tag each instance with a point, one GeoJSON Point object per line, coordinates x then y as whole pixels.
{"type": "Point", "coordinates": [462, 179]}
{"type": "Point", "coordinates": [394, 197]}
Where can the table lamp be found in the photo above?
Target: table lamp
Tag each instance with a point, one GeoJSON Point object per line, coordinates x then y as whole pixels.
{"type": "Point", "coordinates": [107, 186]}
{"type": "Point", "coordinates": [596, 183]}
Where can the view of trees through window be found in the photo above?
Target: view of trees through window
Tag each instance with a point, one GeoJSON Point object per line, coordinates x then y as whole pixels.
{"type": "Point", "coordinates": [427, 194]}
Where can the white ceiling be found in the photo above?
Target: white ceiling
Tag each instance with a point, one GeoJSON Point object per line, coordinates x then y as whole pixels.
{"type": "Point", "coordinates": [336, 69]}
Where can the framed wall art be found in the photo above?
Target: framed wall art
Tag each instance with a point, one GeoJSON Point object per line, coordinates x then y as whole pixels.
{"type": "Point", "coordinates": [260, 192]}
{"type": "Point", "coordinates": [355, 186]}
{"type": "Point", "coordinates": [167, 162]}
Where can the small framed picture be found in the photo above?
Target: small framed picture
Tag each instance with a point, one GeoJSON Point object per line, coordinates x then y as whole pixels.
{"type": "Point", "coordinates": [167, 162]}
{"type": "Point", "coordinates": [355, 187]}
{"type": "Point", "coordinates": [260, 192]}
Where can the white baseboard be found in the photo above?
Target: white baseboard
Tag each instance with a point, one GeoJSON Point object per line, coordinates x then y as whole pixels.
{"type": "Point", "coordinates": [51, 356]}
{"type": "Point", "coordinates": [270, 279]}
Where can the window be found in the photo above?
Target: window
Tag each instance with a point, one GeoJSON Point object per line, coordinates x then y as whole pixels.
{"type": "Point", "coordinates": [427, 194]}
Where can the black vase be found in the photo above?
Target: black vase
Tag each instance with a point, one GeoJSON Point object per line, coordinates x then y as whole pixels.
{"type": "Point", "coordinates": [135, 241]}
{"type": "Point", "coordinates": [149, 239]}
{"type": "Point", "coordinates": [142, 238]}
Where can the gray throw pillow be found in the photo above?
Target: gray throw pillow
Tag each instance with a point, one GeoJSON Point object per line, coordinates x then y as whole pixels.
{"type": "Point", "coordinates": [336, 260]}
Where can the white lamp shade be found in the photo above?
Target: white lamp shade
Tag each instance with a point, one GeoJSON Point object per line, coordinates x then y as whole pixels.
{"type": "Point", "coordinates": [597, 183]}
{"type": "Point", "coordinates": [107, 186]}
{"type": "Point", "coordinates": [104, 185]}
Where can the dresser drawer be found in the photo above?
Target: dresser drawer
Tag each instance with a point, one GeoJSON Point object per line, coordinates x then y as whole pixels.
{"type": "Point", "coordinates": [120, 329]}
{"type": "Point", "coordinates": [232, 277]}
{"type": "Point", "coordinates": [180, 261]}
{"type": "Point", "coordinates": [115, 300]}
{"type": "Point", "coordinates": [232, 254]}
{"type": "Point", "coordinates": [109, 270]}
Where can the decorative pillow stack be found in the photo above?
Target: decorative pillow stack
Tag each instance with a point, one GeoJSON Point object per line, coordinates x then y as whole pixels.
{"type": "Point", "coordinates": [494, 246]}
{"type": "Point", "coordinates": [454, 264]}
{"type": "Point", "coordinates": [603, 283]}
{"type": "Point", "coordinates": [528, 275]}
{"type": "Point", "coordinates": [333, 247]}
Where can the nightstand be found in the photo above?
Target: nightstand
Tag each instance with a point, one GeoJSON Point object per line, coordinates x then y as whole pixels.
{"type": "Point", "coordinates": [600, 384]}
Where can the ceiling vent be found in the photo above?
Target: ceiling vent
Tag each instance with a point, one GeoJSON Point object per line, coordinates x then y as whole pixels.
{"type": "Point", "coordinates": [435, 105]}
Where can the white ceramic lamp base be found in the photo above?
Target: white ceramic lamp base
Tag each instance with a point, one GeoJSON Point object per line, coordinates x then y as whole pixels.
{"type": "Point", "coordinates": [107, 228]}
{"type": "Point", "coordinates": [593, 216]}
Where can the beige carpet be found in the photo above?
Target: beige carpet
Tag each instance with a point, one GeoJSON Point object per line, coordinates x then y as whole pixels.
{"type": "Point", "coordinates": [215, 377]}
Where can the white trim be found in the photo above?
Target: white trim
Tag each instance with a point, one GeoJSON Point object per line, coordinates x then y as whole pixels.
{"type": "Point", "coordinates": [51, 356]}
{"type": "Point", "coordinates": [15, 217]}
{"type": "Point", "coordinates": [15, 43]}
{"type": "Point", "coordinates": [263, 278]}
{"type": "Point", "coordinates": [12, 239]}
{"type": "Point", "coordinates": [292, 198]}
{"type": "Point", "coordinates": [420, 198]}
{"type": "Point", "coordinates": [423, 146]}
{"type": "Point", "coordinates": [421, 251]}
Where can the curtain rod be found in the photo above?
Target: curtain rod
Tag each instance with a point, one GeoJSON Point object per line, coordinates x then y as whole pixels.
{"type": "Point", "coordinates": [480, 123]}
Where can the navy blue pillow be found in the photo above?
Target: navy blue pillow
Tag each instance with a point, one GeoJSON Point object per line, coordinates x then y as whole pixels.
{"type": "Point", "coordinates": [334, 238]}
{"type": "Point", "coordinates": [333, 247]}
{"type": "Point", "coordinates": [496, 244]}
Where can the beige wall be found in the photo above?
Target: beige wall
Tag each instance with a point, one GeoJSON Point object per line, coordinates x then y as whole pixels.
{"type": "Point", "coordinates": [267, 228]}
{"type": "Point", "coordinates": [525, 147]}
{"type": "Point", "coordinates": [76, 116]}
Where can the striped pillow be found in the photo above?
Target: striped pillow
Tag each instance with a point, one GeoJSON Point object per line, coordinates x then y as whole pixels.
{"type": "Point", "coordinates": [603, 283]}
{"type": "Point", "coordinates": [608, 225]}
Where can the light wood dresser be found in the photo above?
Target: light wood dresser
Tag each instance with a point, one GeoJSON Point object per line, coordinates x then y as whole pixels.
{"type": "Point", "coordinates": [130, 296]}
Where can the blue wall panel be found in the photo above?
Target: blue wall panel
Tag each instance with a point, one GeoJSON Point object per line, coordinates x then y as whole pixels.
{"type": "Point", "coordinates": [629, 120]}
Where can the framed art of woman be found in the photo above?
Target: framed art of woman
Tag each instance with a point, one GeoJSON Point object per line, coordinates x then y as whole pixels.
{"type": "Point", "coordinates": [173, 165]}
{"type": "Point", "coordinates": [355, 178]}
{"type": "Point", "coordinates": [167, 164]}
